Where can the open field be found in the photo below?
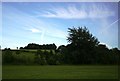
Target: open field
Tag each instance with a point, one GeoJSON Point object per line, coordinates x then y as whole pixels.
{"type": "Point", "coordinates": [60, 72]}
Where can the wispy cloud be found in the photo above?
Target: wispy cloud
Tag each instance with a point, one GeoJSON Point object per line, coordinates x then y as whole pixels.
{"type": "Point", "coordinates": [100, 11]}
{"type": "Point", "coordinates": [34, 30]}
{"type": "Point", "coordinates": [70, 12]}
{"type": "Point", "coordinates": [24, 21]}
{"type": "Point", "coordinates": [108, 33]}
{"type": "Point", "coordinates": [105, 29]}
{"type": "Point", "coordinates": [18, 21]}
{"type": "Point", "coordinates": [32, 23]}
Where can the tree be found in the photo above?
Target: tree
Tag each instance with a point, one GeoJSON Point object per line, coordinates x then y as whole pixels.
{"type": "Point", "coordinates": [7, 56]}
{"type": "Point", "coordinates": [115, 55]}
{"type": "Point", "coordinates": [82, 46]}
{"type": "Point", "coordinates": [102, 54]}
{"type": "Point", "coordinates": [37, 46]}
{"type": "Point", "coordinates": [17, 52]}
{"type": "Point", "coordinates": [40, 58]}
{"type": "Point", "coordinates": [60, 48]}
{"type": "Point", "coordinates": [81, 36]}
{"type": "Point", "coordinates": [54, 46]}
{"type": "Point", "coordinates": [52, 58]}
{"type": "Point", "coordinates": [21, 48]}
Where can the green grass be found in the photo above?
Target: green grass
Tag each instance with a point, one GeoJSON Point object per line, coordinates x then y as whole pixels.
{"type": "Point", "coordinates": [60, 72]}
{"type": "Point", "coordinates": [0, 71]}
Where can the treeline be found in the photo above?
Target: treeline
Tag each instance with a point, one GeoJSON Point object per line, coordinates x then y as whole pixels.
{"type": "Point", "coordinates": [37, 46]}
{"type": "Point", "coordinates": [62, 55]}
{"type": "Point", "coordinates": [99, 55]}
{"type": "Point", "coordinates": [83, 48]}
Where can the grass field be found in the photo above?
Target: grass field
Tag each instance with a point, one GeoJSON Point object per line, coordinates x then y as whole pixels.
{"type": "Point", "coordinates": [60, 72]}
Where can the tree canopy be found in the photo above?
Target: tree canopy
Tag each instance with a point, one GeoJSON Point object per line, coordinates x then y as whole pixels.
{"type": "Point", "coordinates": [37, 46]}
{"type": "Point", "coordinates": [81, 37]}
{"type": "Point", "coordinates": [82, 46]}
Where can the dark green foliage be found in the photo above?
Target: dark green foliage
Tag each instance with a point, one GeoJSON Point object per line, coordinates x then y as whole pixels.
{"type": "Point", "coordinates": [40, 58]}
{"type": "Point", "coordinates": [37, 59]}
{"type": "Point", "coordinates": [106, 56]}
{"type": "Point", "coordinates": [17, 52]}
{"type": "Point", "coordinates": [84, 48]}
{"type": "Point", "coordinates": [7, 56]}
{"type": "Point", "coordinates": [45, 57]}
{"type": "Point", "coordinates": [102, 56]}
{"type": "Point", "coordinates": [82, 38]}
{"type": "Point", "coordinates": [21, 48]}
{"type": "Point", "coordinates": [16, 57]}
{"type": "Point", "coordinates": [37, 46]}
{"type": "Point", "coordinates": [52, 58]}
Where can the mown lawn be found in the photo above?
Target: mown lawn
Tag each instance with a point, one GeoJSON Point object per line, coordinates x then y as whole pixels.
{"type": "Point", "coordinates": [59, 72]}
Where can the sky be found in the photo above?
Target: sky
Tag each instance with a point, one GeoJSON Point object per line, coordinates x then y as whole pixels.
{"type": "Point", "coordinates": [48, 22]}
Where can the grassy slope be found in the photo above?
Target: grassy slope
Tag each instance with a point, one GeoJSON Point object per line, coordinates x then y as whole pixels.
{"type": "Point", "coordinates": [26, 54]}
{"type": "Point", "coordinates": [60, 72]}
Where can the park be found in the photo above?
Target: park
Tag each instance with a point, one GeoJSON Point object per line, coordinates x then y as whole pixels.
{"type": "Point", "coordinates": [62, 40]}
{"type": "Point", "coordinates": [83, 58]}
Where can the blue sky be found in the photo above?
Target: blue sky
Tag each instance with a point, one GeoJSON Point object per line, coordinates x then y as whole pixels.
{"type": "Point", "coordinates": [47, 23]}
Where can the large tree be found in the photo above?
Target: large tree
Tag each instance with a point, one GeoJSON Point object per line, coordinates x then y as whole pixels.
{"type": "Point", "coordinates": [81, 37]}
{"type": "Point", "coordinates": [82, 46]}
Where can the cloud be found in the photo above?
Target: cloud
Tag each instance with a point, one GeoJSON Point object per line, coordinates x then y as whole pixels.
{"type": "Point", "coordinates": [72, 12]}
{"type": "Point", "coordinates": [60, 0]}
{"type": "Point", "coordinates": [108, 26]}
{"type": "Point", "coordinates": [108, 46]}
{"type": "Point", "coordinates": [109, 31]}
{"type": "Point", "coordinates": [24, 21]}
{"type": "Point", "coordinates": [34, 30]}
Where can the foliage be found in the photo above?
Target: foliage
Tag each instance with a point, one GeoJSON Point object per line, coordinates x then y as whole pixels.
{"type": "Point", "coordinates": [45, 57]}
{"type": "Point", "coordinates": [17, 52]}
{"type": "Point", "coordinates": [83, 48]}
{"type": "Point", "coordinates": [80, 37]}
{"type": "Point", "coordinates": [37, 46]}
{"type": "Point", "coordinates": [7, 56]}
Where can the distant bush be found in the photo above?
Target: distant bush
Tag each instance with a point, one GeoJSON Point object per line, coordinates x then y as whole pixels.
{"type": "Point", "coordinates": [17, 52]}
{"type": "Point", "coordinates": [7, 56]}
{"type": "Point", "coordinates": [45, 57]}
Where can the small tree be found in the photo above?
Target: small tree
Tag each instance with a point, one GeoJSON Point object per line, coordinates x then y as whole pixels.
{"type": "Point", "coordinates": [40, 58]}
{"type": "Point", "coordinates": [7, 56]}
{"type": "Point", "coordinates": [17, 52]}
